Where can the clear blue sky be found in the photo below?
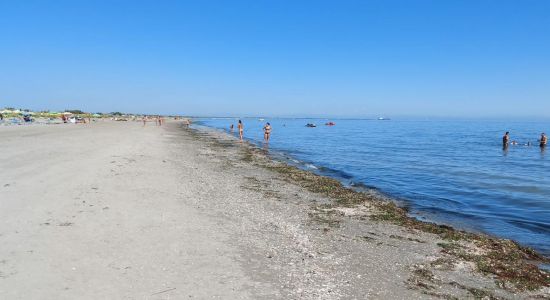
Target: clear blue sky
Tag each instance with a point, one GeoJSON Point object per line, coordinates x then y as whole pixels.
{"type": "Point", "coordinates": [338, 58]}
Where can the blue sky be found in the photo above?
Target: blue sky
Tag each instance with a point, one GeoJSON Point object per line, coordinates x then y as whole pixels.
{"type": "Point", "coordinates": [299, 58]}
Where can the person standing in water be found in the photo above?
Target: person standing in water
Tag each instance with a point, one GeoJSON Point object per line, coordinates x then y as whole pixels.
{"type": "Point", "coordinates": [506, 140]}
{"type": "Point", "coordinates": [241, 129]}
{"type": "Point", "coordinates": [231, 128]}
{"type": "Point", "coordinates": [543, 140]}
{"type": "Point", "coordinates": [267, 132]}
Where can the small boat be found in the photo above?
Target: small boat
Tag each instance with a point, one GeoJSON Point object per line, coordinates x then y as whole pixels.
{"type": "Point", "coordinates": [311, 125]}
{"type": "Point", "coordinates": [330, 123]}
{"type": "Point", "coordinates": [383, 119]}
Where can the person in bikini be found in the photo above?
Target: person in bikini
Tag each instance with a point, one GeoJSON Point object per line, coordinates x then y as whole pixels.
{"type": "Point", "coordinates": [241, 129]}
{"type": "Point", "coordinates": [267, 132]}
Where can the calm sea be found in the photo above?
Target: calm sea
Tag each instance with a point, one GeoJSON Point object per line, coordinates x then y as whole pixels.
{"type": "Point", "coordinates": [452, 172]}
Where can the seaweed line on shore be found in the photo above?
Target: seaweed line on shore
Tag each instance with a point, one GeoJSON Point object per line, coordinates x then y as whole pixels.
{"type": "Point", "coordinates": [513, 266]}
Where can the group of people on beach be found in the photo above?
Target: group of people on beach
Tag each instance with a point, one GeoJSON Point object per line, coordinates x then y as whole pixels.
{"type": "Point", "coordinates": [75, 119]}
{"type": "Point", "coordinates": [25, 118]}
{"type": "Point", "coordinates": [267, 130]}
{"type": "Point", "coordinates": [506, 141]}
{"type": "Point", "coordinates": [158, 120]}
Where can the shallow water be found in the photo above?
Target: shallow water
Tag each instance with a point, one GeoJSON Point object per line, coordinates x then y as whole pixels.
{"type": "Point", "coordinates": [452, 172]}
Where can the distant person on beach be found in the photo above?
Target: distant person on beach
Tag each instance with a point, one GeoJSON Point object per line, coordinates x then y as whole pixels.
{"type": "Point", "coordinates": [241, 129]}
{"type": "Point", "coordinates": [506, 139]}
{"type": "Point", "coordinates": [267, 132]}
{"type": "Point", "coordinates": [231, 128]}
{"type": "Point", "coordinates": [543, 140]}
{"type": "Point", "coordinates": [187, 123]}
{"type": "Point", "coordinates": [1, 117]}
{"type": "Point", "coordinates": [144, 120]}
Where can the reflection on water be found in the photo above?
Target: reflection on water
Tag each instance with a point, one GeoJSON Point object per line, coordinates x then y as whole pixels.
{"type": "Point", "coordinates": [505, 150]}
{"type": "Point", "coordinates": [454, 172]}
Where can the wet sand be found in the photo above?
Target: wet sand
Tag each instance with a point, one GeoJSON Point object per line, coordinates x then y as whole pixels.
{"type": "Point", "coordinates": [115, 210]}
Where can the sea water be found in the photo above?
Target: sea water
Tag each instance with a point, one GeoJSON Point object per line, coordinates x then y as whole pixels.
{"type": "Point", "coordinates": [450, 172]}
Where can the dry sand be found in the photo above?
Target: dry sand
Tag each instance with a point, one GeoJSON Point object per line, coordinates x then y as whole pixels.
{"type": "Point", "coordinates": [115, 210]}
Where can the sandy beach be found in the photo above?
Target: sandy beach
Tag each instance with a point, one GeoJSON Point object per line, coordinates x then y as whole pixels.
{"type": "Point", "coordinates": [117, 210]}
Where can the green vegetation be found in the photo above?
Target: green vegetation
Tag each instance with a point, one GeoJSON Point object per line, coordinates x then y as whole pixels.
{"type": "Point", "coordinates": [75, 111]}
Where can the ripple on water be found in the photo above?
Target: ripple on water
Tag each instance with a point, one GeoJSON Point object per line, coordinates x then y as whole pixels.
{"type": "Point", "coordinates": [450, 171]}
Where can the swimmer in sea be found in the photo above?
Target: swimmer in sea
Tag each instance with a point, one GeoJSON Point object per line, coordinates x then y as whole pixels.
{"type": "Point", "coordinates": [506, 139]}
{"type": "Point", "coordinates": [543, 140]}
{"type": "Point", "coordinates": [267, 132]}
{"type": "Point", "coordinates": [241, 129]}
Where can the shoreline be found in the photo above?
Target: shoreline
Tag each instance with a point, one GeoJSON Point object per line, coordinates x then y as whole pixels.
{"type": "Point", "coordinates": [515, 257]}
{"type": "Point", "coordinates": [121, 210]}
{"type": "Point", "coordinates": [406, 204]}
